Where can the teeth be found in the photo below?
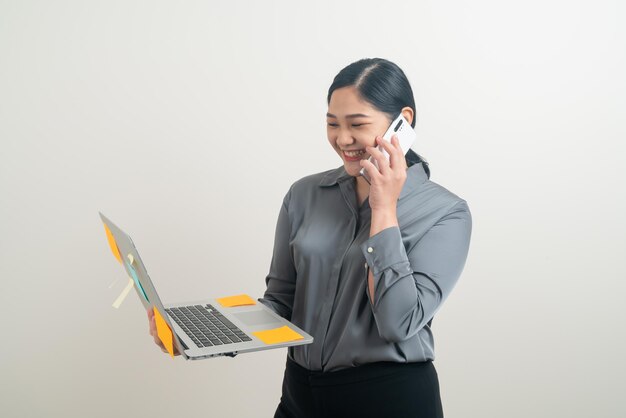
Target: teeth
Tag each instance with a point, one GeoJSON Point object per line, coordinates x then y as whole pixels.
{"type": "Point", "coordinates": [354, 154]}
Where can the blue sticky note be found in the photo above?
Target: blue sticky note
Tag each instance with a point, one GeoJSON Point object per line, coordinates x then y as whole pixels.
{"type": "Point", "coordinates": [133, 273]}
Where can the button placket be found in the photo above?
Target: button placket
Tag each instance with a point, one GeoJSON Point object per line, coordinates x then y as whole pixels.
{"type": "Point", "coordinates": [346, 190]}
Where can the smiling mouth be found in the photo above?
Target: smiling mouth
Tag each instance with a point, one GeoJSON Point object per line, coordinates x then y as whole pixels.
{"type": "Point", "coordinates": [354, 154]}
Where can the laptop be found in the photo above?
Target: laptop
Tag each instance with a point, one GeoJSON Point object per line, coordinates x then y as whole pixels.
{"type": "Point", "coordinates": [204, 328]}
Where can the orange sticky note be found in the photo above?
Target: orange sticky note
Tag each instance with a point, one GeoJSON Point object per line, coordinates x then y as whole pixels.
{"type": "Point", "coordinates": [112, 244]}
{"type": "Point", "coordinates": [238, 300]}
{"type": "Point", "coordinates": [164, 331]}
{"type": "Point", "coordinates": [278, 335]}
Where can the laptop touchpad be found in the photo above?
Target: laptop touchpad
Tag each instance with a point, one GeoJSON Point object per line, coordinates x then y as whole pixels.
{"type": "Point", "coordinates": [256, 318]}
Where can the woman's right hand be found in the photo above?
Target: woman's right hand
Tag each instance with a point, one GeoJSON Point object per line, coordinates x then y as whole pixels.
{"type": "Point", "coordinates": [155, 335]}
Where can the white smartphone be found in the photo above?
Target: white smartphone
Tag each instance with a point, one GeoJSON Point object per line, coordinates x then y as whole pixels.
{"type": "Point", "coordinates": [406, 136]}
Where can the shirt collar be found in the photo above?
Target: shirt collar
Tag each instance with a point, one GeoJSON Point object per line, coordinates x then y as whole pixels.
{"type": "Point", "coordinates": [334, 176]}
{"type": "Point", "coordinates": [415, 175]}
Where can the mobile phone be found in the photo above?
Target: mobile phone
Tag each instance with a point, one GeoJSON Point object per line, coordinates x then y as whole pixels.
{"type": "Point", "coordinates": [406, 136]}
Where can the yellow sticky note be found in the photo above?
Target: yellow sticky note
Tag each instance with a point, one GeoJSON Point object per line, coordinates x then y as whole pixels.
{"type": "Point", "coordinates": [238, 300]}
{"type": "Point", "coordinates": [164, 331]}
{"type": "Point", "coordinates": [112, 244]}
{"type": "Point", "coordinates": [278, 335]}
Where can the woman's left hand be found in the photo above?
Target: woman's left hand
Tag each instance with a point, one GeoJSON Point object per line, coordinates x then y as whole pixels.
{"type": "Point", "coordinates": [386, 182]}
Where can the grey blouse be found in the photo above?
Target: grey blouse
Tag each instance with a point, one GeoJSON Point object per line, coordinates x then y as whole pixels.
{"type": "Point", "coordinates": [323, 252]}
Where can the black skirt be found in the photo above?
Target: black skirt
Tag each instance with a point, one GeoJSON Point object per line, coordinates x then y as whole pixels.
{"type": "Point", "coordinates": [382, 389]}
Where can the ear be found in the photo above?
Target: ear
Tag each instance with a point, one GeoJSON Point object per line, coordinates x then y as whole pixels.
{"type": "Point", "coordinates": [407, 112]}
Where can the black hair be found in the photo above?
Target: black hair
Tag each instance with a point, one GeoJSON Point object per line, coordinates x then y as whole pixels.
{"type": "Point", "coordinates": [384, 85]}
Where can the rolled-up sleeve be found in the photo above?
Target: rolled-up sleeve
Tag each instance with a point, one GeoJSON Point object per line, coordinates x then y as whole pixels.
{"type": "Point", "coordinates": [410, 287]}
{"type": "Point", "coordinates": [281, 279]}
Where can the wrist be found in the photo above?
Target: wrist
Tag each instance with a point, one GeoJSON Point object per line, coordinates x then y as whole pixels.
{"type": "Point", "coordinates": [383, 219]}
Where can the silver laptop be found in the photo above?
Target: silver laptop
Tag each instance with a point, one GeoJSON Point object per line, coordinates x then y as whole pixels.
{"type": "Point", "coordinates": [204, 328]}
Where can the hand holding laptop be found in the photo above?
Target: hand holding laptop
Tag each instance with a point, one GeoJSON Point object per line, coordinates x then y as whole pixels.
{"type": "Point", "coordinates": [153, 332]}
{"type": "Point", "coordinates": [205, 328]}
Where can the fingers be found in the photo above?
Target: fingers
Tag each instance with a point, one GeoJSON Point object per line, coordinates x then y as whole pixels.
{"type": "Point", "coordinates": [396, 156]}
{"type": "Point", "coordinates": [381, 159]}
{"type": "Point", "coordinates": [153, 331]}
{"type": "Point", "coordinates": [155, 336]}
{"type": "Point", "coordinates": [394, 163]}
{"type": "Point", "coordinates": [371, 169]}
{"type": "Point", "coordinates": [152, 325]}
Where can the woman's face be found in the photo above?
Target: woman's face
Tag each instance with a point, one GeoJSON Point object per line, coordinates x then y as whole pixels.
{"type": "Point", "coordinates": [353, 124]}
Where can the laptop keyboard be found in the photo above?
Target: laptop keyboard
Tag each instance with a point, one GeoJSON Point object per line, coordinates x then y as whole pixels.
{"type": "Point", "coordinates": [206, 326]}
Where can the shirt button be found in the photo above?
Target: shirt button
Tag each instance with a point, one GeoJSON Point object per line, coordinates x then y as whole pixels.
{"type": "Point", "coordinates": [365, 266]}
{"type": "Point", "coordinates": [370, 249]}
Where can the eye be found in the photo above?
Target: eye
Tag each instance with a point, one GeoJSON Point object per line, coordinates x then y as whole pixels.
{"type": "Point", "coordinates": [356, 125]}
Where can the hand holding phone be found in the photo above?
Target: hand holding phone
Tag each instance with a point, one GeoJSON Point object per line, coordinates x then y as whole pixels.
{"type": "Point", "coordinates": [406, 137]}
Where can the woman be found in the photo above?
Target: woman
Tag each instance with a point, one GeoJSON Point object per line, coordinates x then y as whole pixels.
{"type": "Point", "coordinates": [363, 268]}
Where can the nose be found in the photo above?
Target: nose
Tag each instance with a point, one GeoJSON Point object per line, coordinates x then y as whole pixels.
{"type": "Point", "coordinates": [344, 138]}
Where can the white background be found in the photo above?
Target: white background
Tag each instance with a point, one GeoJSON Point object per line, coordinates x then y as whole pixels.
{"type": "Point", "coordinates": [186, 123]}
